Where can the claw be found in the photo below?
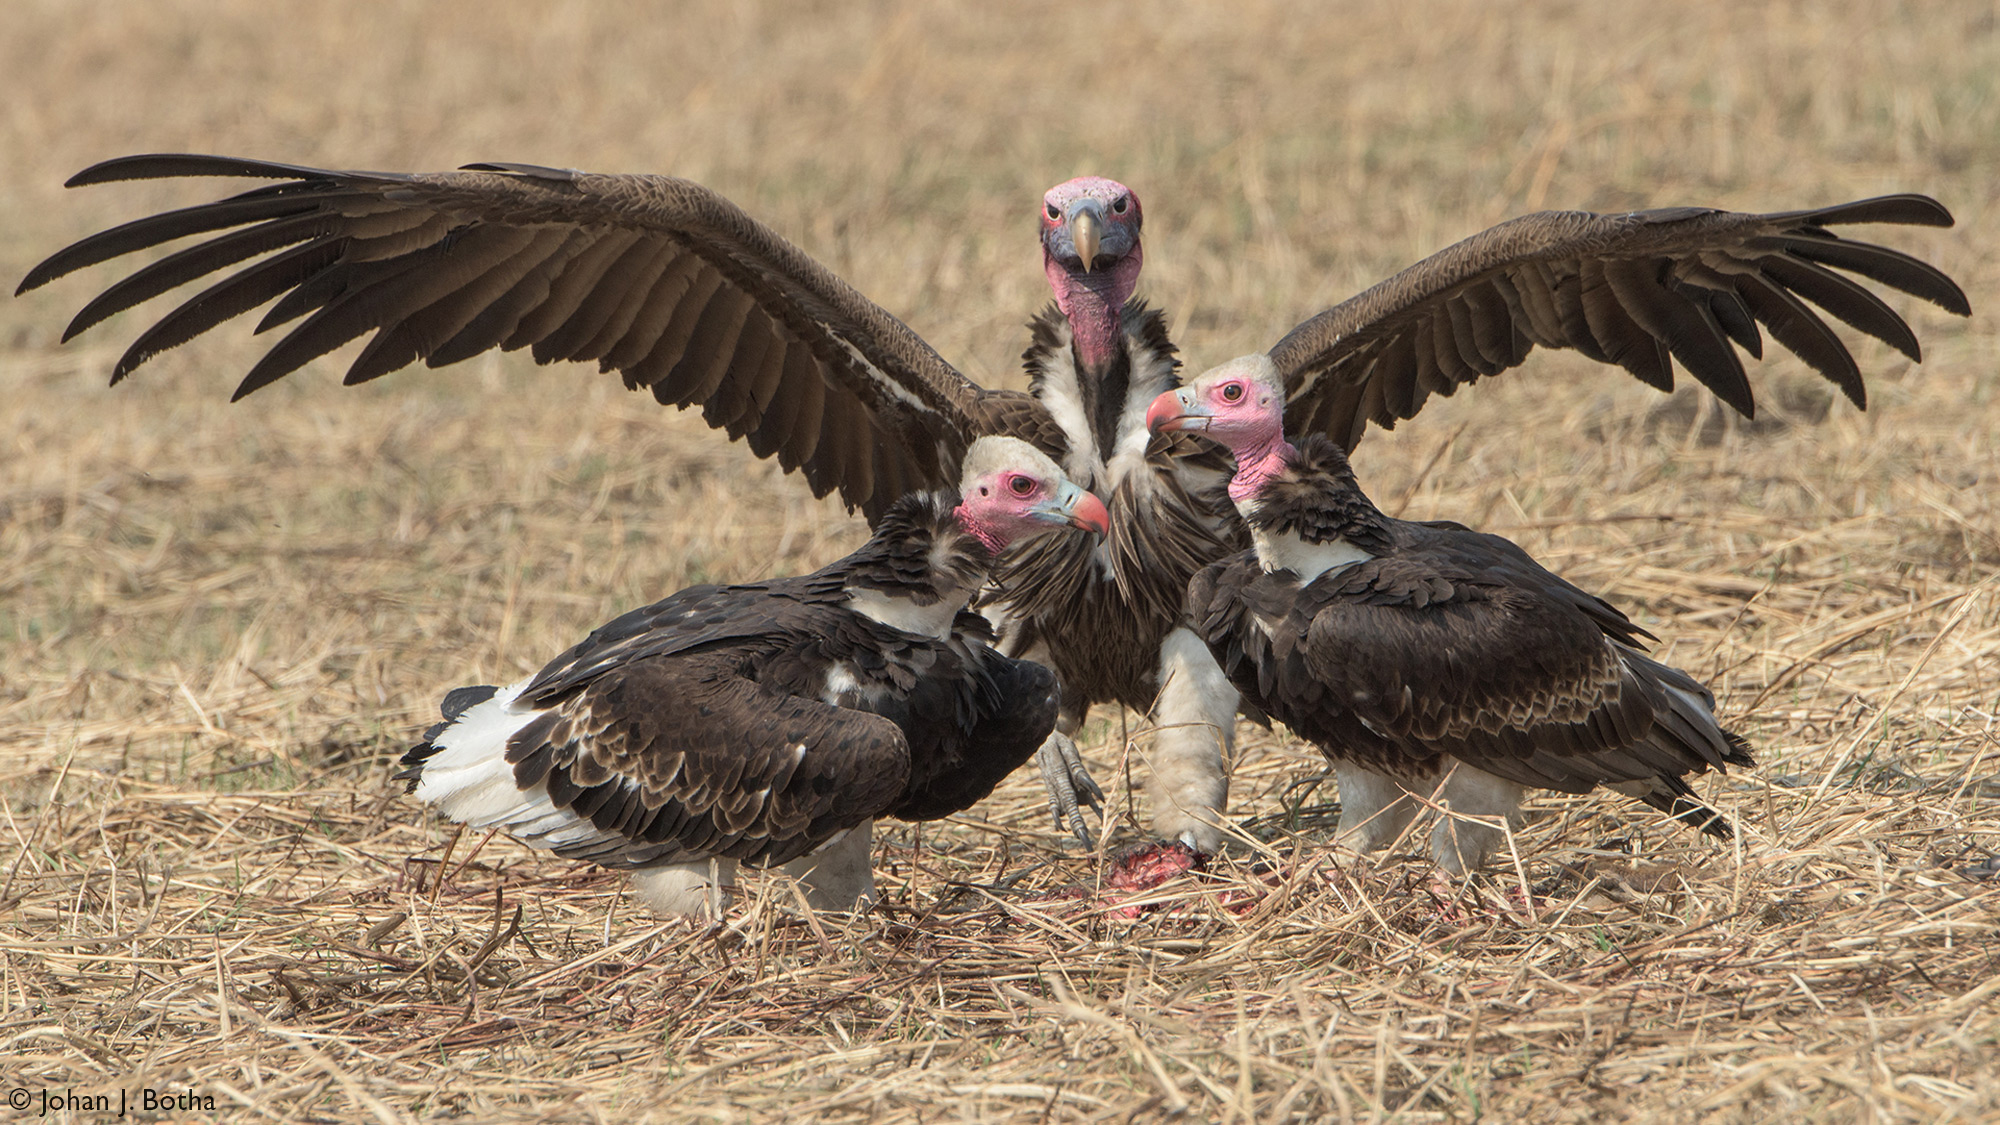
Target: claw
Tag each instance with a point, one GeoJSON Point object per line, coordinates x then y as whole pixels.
{"type": "Point", "coordinates": [1069, 785]}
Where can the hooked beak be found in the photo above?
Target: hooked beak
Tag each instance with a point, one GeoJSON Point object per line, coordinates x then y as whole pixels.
{"type": "Point", "coordinates": [1077, 507]}
{"type": "Point", "coordinates": [1086, 230]}
{"type": "Point", "coordinates": [1176, 410]}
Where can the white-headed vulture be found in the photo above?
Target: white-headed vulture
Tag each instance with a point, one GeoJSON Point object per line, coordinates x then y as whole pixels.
{"type": "Point", "coordinates": [772, 723]}
{"type": "Point", "coordinates": [1426, 658]}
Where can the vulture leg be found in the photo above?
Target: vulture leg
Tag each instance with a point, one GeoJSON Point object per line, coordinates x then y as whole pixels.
{"type": "Point", "coordinates": [1069, 783]}
{"type": "Point", "coordinates": [1375, 809]}
{"type": "Point", "coordinates": [1196, 719]}
{"type": "Point", "coordinates": [1477, 805]}
{"type": "Point", "coordinates": [1064, 775]}
{"type": "Point", "coordinates": [839, 876]}
{"type": "Point", "coordinates": [697, 889]}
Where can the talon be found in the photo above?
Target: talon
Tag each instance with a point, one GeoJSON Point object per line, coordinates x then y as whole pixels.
{"type": "Point", "coordinates": [1067, 781]}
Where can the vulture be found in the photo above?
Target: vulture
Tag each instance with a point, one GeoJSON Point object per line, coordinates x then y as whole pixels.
{"type": "Point", "coordinates": [681, 293]}
{"type": "Point", "coordinates": [772, 723]}
{"type": "Point", "coordinates": [1426, 658]}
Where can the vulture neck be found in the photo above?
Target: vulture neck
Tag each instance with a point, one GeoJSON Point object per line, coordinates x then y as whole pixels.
{"type": "Point", "coordinates": [1094, 305]}
{"type": "Point", "coordinates": [922, 565]}
{"type": "Point", "coordinates": [1306, 513]}
{"type": "Point", "coordinates": [1101, 410]}
{"type": "Point", "coordinates": [1257, 465]}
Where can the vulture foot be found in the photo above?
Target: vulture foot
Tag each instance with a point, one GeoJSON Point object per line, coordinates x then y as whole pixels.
{"type": "Point", "coordinates": [1069, 785]}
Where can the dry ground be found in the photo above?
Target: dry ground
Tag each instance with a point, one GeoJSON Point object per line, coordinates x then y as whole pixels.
{"type": "Point", "coordinates": [220, 623]}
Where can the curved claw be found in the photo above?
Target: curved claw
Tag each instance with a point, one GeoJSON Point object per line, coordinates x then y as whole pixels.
{"type": "Point", "coordinates": [1069, 784]}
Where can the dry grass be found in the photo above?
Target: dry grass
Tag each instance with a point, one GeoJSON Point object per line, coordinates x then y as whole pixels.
{"type": "Point", "coordinates": [221, 622]}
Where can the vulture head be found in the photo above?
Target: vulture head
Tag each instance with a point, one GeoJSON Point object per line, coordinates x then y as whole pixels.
{"type": "Point", "coordinates": [1091, 253]}
{"type": "Point", "coordinates": [1240, 404]}
{"type": "Point", "coordinates": [1011, 490]}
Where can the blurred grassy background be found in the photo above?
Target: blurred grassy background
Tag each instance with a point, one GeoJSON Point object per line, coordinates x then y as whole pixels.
{"type": "Point", "coordinates": [266, 598]}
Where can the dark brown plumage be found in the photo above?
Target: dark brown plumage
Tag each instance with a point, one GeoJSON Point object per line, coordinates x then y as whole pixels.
{"type": "Point", "coordinates": [1642, 290]}
{"type": "Point", "coordinates": [1415, 652]}
{"type": "Point", "coordinates": [685, 295]}
{"type": "Point", "coordinates": [659, 279]}
{"type": "Point", "coordinates": [763, 723]}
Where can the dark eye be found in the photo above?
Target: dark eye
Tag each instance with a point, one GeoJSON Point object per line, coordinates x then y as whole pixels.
{"type": "Point", "coordinates": [1118, 205]}
{"type": "Point", "coordinates": [1022, 486]}
{"type": "Point", "coordinates": [1054, 211]}
{"type": "Point", "coordinates": [1232, 392]}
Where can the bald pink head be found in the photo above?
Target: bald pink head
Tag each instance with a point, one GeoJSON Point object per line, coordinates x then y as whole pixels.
{"type": "Point", "coordinates": [1240, 404]}
{"type": "Point", "coordinates": [1010, 490]}
{"type": "Point", "coordinates": [1091, 254]}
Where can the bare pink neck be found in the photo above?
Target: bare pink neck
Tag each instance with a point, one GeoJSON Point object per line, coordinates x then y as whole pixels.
{"type": "Point", "coordinates": [1256, 464]}
{"type": "Point", "coordinates": [979, 529]}
{"type": "Point", "coordinates": [1094, 303]}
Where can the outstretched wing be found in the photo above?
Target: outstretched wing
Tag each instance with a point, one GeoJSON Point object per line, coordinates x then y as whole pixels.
{"type": "Point", "coordinates": [1641, 290]}
{"type": "Point", "coordinates": [659, 279]}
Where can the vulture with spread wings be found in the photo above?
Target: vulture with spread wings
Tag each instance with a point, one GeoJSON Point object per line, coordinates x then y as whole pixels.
{"type": "Point", "coordinates": [683, 294]}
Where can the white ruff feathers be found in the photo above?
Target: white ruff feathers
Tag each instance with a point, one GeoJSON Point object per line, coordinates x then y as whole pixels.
{"type": "Point", "coordinates": [1307, 560]}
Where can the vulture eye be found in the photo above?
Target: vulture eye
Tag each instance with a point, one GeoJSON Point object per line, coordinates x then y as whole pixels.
{"type": "Point", "coordinates": [1022, 486]}
{"type": "Point", "coordinates": [1232, 392]}
{"type": "Point", "coordinates": [1118, 205]}
{"type": "Point", "coordinates": [1054, 211]}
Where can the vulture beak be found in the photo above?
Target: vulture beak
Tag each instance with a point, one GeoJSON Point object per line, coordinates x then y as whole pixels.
{"type": "Point", "coordinates": [1077, 507]}
{"type": "Point", "coordinates": [1176, 410]}
{"type": "Point", "coordinates": [1086, 230]}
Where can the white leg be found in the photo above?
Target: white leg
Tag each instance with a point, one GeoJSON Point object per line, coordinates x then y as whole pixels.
{"type": "Point", "coordinates": [841, 875]}
{"type": "Point", "coordinates": [1461, 845]}
{"type": "Point", "coordinates": [1374, 808]}
{"type": "Point", "coordinates": [1196, 719]}
{"type": "Point", "coordinates": [697, 889]}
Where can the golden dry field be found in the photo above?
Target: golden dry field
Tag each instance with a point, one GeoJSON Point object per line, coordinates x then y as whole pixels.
{"type": "Point", "coordinates": [219, 624]}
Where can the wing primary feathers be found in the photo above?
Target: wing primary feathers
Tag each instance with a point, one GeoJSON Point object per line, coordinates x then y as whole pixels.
{"type": "Point", "coordinates": [160, 166]}
{"type": "Point", "coordinates": [446, 300]}
{"type": "Point", "coordinates": [1908, 208]}
{"type": "Point", "coordinates": [495, 324]}
{"type": "Point", "coordinates": [660, 279]}
{"type": "Point", "coordinates": [1684, 326]}
{"type": "Point", "coordinates": [237, 294]}
{"type": "Point", "coordinates": [140, 234]}
{"type": "Point", "coordinates": [1855, 306]}
{"type": "Point", "coordinates": [1879, 263]}
{"type": "Point", "coordinates": [421, 278]}
{"type": "Point", "coordinates": [177, 269]}
{"type": "Point", "coordinates": [1644, 291]}
{"type": "Point", "coordinates": [1795, 326]}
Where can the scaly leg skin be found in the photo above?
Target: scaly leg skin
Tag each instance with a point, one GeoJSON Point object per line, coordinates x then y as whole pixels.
{"type": "Point", "coordinates": [1196, 720]}
{"type": "Point", "coordinates": [1461, 845]}
{"type": "Point", "coordinates": [1063, 773]}
{"type": "Point", "coordinates": [1374, 808]}
{"type": "Point", "coordinates": [696, 891]}
{"type": "Point", "coordinates": [841, 874]}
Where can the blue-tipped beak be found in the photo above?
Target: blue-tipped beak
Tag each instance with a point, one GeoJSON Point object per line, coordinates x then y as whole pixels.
{"type": "Point", "coordinates": [1075, 506]}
